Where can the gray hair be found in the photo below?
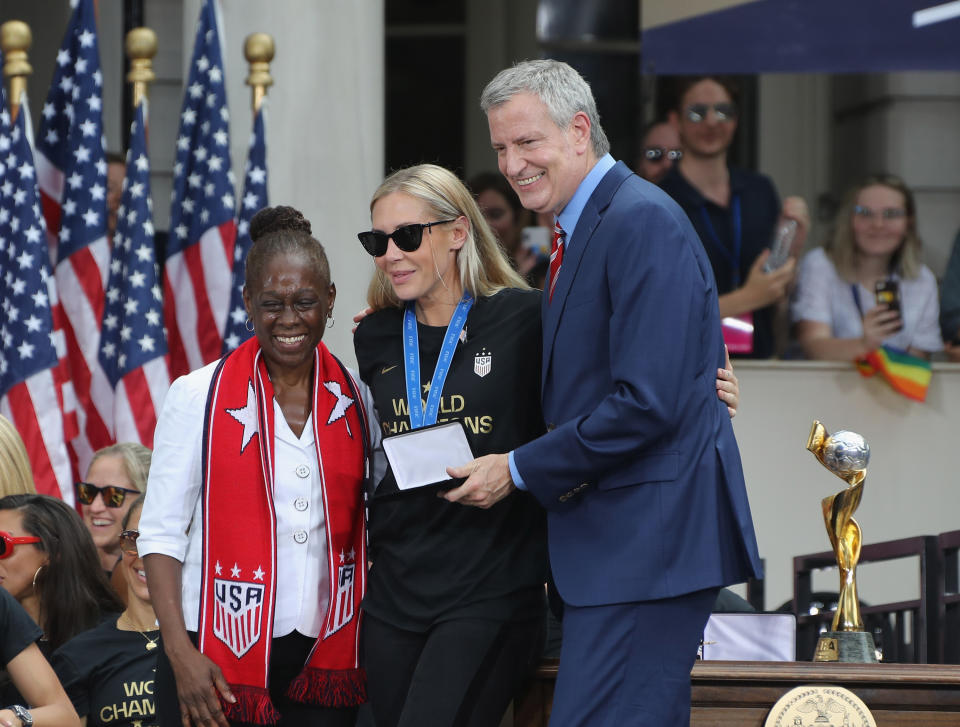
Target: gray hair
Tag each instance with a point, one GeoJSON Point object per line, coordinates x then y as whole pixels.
{"type": "Point", "coordinates": [563, 91]}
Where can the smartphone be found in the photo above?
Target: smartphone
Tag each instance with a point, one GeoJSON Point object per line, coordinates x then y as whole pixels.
{"type": "Point", "coordinates": [888, 294]}
{"type": "Point", "coordinates": [780, 246]}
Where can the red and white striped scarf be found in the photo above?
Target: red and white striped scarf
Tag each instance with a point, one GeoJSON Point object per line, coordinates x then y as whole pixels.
{"type": "Point", "coordinates": [239, 535]}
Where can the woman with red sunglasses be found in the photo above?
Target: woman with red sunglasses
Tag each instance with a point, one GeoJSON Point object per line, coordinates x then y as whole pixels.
{"type": "Point", "coordinates": [49, 564]}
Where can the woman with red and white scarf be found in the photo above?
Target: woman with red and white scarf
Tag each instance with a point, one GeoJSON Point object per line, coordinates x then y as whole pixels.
{"type": "Point", "coordinates": [253, 529]}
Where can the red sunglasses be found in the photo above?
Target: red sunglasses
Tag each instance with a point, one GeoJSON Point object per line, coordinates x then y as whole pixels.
{"type": "Point", "coordinates": [8, 541]}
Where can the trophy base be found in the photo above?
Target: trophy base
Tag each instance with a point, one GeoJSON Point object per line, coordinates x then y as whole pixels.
{"type": "Point", "coordinates": [849, 647]}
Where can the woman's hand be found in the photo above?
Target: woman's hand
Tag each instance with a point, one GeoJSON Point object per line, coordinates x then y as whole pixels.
{"type": "Point", "coordinates": [879, 323]}
{"type": "Point", "coordinates": [200, 684]}
{"type": "Point", "coordinates": [359, 317]}
{"type": "Point", "coordinates": [728, 387]}
{"type": "Point", "coordinates": [9, 719]}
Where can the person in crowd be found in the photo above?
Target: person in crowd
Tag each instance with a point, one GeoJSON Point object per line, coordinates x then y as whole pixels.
{"type": "Point", "coordinates": [735, 212]}
{"type": "Point", "coordinates": [255, 495]}
{"type": "Point", "coordinates": [31, 693]}
{"type": "Point", "coordinates": [873, 241]}
{"type": "Point", "coordinates": [639, 470]}
{"type": "Point", "coordinates": [108, 671]}
{"type": "Point", "coordinates": [506, 216]}
{"type": "Point", "coordinates": [659, 151]}
{"type": "Point", "coordinates": [117, 475]}
{"type": "Point", "coordinates": [52, 569]}
{"type": "Point", "coordinates": [455, 602]}
{"type": "Point", "coordinates": [16, 476]}
{"type": "Point", "coordinates": [950, 303]}
{"type": "Point", "coordinates": [116, 171]}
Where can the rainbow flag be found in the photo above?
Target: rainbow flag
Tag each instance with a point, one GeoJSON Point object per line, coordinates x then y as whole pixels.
{"type": "Point", "coordinates": [907, 374]}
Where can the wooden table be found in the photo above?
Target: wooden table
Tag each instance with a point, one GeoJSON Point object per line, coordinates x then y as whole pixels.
{"type": "Point", "coordinates": [741, 693]}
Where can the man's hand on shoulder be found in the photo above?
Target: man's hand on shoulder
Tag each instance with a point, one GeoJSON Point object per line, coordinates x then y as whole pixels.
{"type": "Point", "coordinates": [488, 481]}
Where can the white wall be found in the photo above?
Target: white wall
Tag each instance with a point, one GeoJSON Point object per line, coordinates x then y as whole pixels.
{"type": "Point", "coordinates": [912, 487]}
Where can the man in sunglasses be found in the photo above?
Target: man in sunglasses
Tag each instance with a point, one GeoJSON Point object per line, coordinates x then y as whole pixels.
{"type": "Point", "coordinates": [639, 470]}
{"type": "Point", "coordinates": [736, 214]}
{"type": "Point", "coordinates": [659, 151]}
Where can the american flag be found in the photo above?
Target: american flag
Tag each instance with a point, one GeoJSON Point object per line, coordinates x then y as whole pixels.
{"type": "Point", "coordinates": [133, 345]}
{"type": "Point", "coordinates": [28, 357]}
{"type": "Point", "coordinates": [72, 176]}
{"type": "Point", "coordinates": [254, 199]}
{"type": "Point", "coordinates": [197, 281]}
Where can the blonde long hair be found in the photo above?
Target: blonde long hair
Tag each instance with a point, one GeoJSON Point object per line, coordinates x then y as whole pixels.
{"type": "Point", "coordinates": [483, 265]}
{"type": "Point", "coordinates": [16, 477]}
{"type": "Point", "coordinates": [841, 246]}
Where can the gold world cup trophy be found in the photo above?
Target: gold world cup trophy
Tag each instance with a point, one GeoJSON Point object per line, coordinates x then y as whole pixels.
{"type": "Point", "coordinates": [846, 454]}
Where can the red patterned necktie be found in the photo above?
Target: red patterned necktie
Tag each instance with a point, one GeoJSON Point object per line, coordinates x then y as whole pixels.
{"type": "Point", "coordinates": [556, 256]}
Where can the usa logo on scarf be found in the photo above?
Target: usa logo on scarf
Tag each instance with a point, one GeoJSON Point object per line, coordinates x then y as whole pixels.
{"type": "Point", "coordinates": [236, 614]}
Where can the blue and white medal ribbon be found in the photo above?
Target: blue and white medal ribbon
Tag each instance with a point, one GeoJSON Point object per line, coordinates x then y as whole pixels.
{"type": "Point", "coordinates": [411, 362]}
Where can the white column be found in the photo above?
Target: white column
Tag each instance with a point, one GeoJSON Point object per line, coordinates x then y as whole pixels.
{"type": "Point", "coordinates": [324, 125]}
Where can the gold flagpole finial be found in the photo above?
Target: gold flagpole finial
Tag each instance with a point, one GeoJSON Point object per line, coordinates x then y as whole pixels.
{"type": "Point", "coordinates": [141, 47]}
{"type": "Point", "coordinates": [15, 40]}
{"type": "Point", "coordinates": [258, 50]}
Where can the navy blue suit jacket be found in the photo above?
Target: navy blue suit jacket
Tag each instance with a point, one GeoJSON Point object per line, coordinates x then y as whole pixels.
{"type": "Point", "coordinates": [639, 471]}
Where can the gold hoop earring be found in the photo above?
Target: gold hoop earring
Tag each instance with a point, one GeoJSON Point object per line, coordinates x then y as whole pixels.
{"type": "Point", "coordinates": [249, 325]}
{"type": "Point", "coordinates": [35, 576]}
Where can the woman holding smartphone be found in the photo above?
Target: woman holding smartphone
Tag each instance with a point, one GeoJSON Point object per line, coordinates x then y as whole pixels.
{"type": "Point", "coordinates": [867, 286]}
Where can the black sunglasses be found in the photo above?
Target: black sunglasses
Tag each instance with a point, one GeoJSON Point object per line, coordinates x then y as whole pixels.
{"type": "Point", "coordinates": [8, 541]}
{"type": "Point", "coordinates": [656, 153]}
{"type": "Point", "coordinates": [697, 112]}
{"type": "Point", "coordinates": [113, 495]}
{"type": "Point", "coordinates": [407, 237]}
{"type": "Point", "coordinates": [128, 542]}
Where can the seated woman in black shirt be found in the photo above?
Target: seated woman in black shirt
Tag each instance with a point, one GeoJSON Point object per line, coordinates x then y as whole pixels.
{"type": "Point", "coordinates": [27, 678]}
{"type": "Point", "coordinates": [108, 670]}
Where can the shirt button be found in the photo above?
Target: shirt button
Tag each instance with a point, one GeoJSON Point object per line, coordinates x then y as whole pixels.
{"type": "Point", "coordinates": [300, 504]}
{"type": "Point", "coordinates": [302, 471]}
{"type": "Point", "coordinates": [300, 536]}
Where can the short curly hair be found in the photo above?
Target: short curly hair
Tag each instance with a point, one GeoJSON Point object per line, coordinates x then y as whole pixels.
{"type": "Point", "coordinates": [279, 230]}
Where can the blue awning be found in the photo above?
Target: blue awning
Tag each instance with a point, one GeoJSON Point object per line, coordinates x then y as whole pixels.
{"type": "Point", "coordinates": [834, 36]}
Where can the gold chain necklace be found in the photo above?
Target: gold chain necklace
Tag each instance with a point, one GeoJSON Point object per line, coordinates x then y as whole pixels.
{"type": "Point", "coordinates": [151, 643]}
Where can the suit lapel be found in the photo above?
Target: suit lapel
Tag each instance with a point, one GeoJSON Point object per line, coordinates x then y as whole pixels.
{"type": "Point", "coordinates": [573, 257]}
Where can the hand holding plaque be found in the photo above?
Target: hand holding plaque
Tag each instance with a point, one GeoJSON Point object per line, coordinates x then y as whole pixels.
{"type": "Point", "coordinates": [846, 454]}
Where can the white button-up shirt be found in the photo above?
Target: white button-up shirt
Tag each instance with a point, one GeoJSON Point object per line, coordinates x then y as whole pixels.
{"type": "Point", "coordinates": [172, 519]}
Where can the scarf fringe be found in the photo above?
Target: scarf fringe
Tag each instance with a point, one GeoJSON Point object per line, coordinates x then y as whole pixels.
{"type": "Point", "coordinates": [253, 705]}
{"type": "Point", "coordinates": [329, 687]}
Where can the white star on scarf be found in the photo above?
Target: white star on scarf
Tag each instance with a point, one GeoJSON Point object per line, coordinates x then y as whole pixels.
{"type": "Point", "coordinates": [344, 402]}
{"type": "Point", "coordinates": [258, 574]}
{"type": "Point", "coordinates": [247, 416]}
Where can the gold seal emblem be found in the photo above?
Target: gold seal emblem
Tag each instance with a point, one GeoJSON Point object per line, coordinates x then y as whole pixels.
{"type": "Point", "coordinates": [819, 706]}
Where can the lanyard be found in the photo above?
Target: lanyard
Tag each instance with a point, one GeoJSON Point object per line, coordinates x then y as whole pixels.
{"type": "Point", "coordinates": [732, 257]}
{"type": "Point", "coordinates": [411, 362]}
{"type": "Point", "coordinates": [855, 289]}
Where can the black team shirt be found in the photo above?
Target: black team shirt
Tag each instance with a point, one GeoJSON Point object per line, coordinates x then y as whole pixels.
{"type": "Point", "coordinates": [434, 560]}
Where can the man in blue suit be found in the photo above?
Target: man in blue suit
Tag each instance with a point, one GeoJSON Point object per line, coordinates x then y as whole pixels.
{"type": "Point", "coordinates": [639, 470]}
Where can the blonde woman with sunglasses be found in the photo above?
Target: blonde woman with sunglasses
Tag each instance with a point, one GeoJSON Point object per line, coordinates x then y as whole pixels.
{"type": "Point", "coordinates": [117, 475]}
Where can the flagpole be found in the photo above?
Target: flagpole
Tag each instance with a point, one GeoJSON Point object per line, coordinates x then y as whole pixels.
{"type": "Point", "coordinates": [258, 50]}
{"type": "Point", "coordinates": [141, 47]}
{"type": "Point", "coordinates": [15, 40]}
